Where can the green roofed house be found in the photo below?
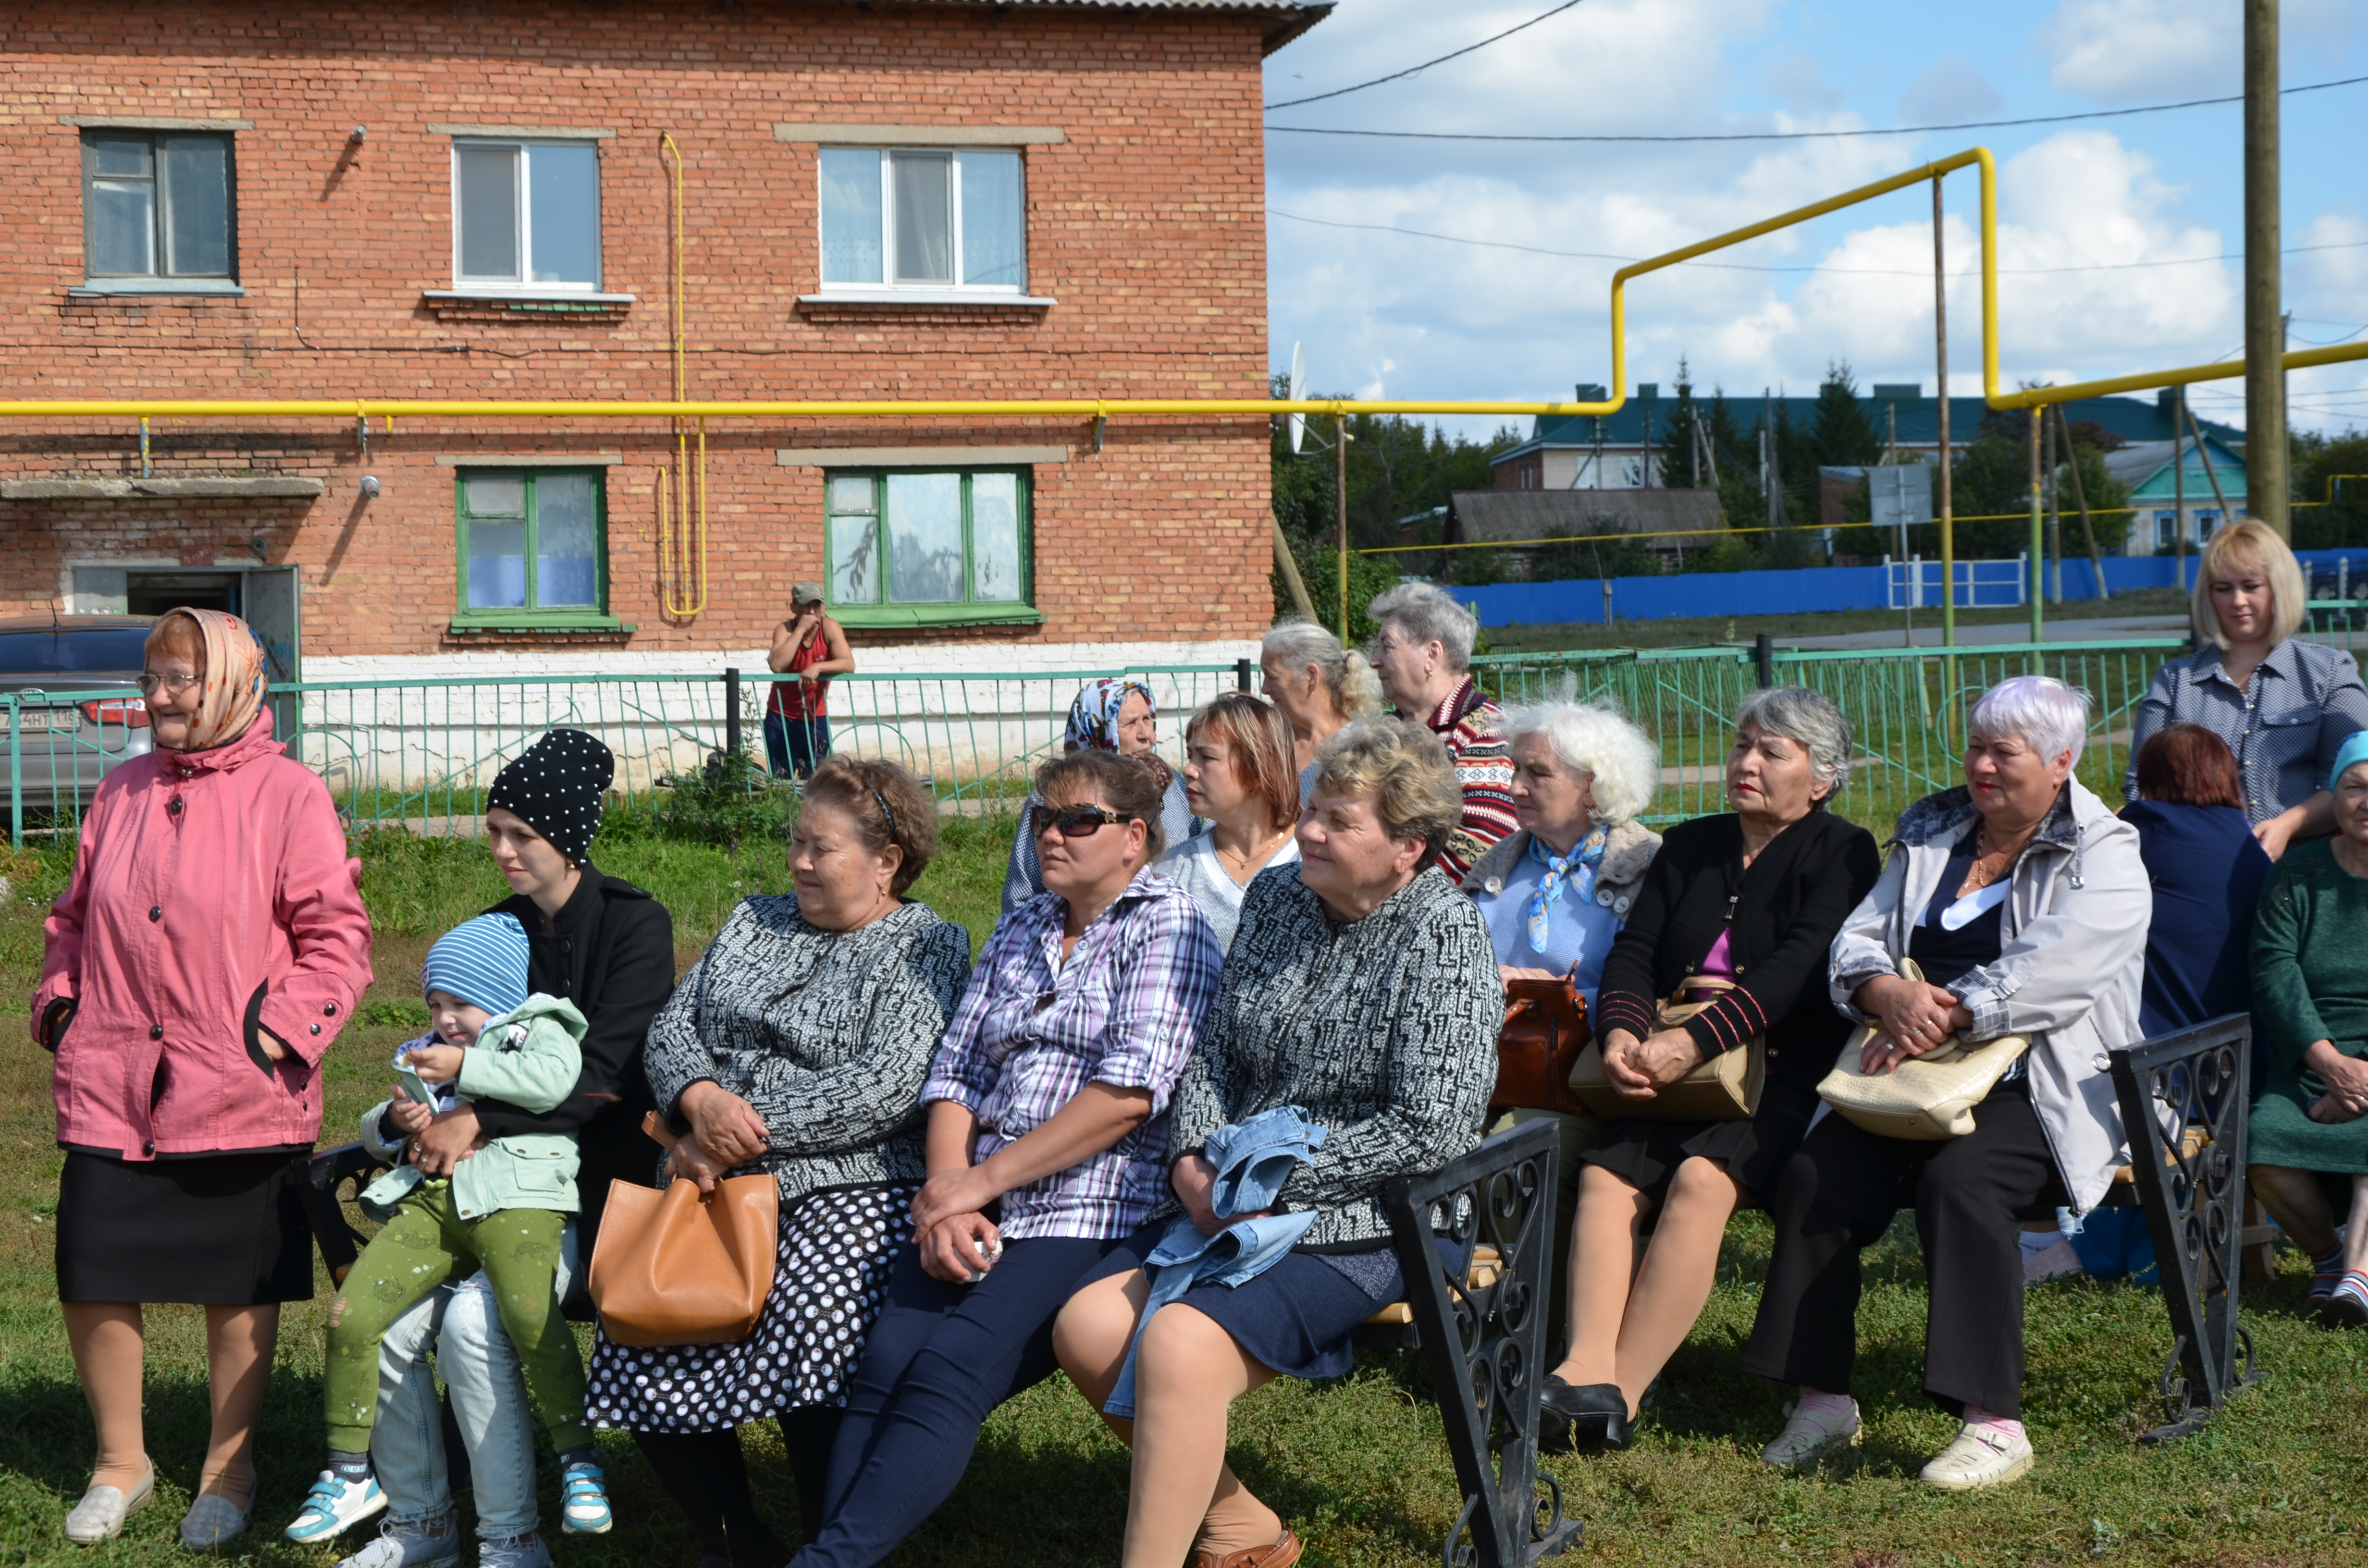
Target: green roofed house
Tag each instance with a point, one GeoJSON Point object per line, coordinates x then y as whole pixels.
{"type": "Point", "coordinates": [2155, 490]}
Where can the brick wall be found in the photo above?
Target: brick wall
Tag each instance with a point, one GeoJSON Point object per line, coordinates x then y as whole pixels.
{"type": "Point", "coordinates": [1145, 224]}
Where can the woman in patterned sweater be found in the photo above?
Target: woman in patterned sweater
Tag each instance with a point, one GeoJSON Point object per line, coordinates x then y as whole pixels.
{"type": "Point", "coordinates": [797, 1045]}
{"type": "Point", "coordinates": [1362, 989]}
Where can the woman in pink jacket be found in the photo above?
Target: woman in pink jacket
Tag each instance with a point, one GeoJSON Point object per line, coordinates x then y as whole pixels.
{"type": "Point", "coordinates": [209, 948]}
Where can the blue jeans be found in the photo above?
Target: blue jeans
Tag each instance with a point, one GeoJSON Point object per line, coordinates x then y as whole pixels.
{"type": "Point", "coordinates": [461, 1324]}
{"type": "Point", "coordinates": [795, 744]}
{"type": "Point", "coordinates": [939, 1360]}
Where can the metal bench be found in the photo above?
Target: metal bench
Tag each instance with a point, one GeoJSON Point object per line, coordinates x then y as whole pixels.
{"type": "Point", "coordinates": [2190, 1180]}
{"type": "Point", "coordinates": [335, 1179]}
{"type": "Point", "coordinates": [1484, 1331]}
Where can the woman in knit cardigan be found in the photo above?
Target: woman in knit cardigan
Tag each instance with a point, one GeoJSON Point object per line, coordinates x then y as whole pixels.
{"type": "Point", "coordinates": [1361, 989]}
{"type": "Point", "coordinates": [797, 1046]}
{"type": "Point", "coordinates": [1752, 897]}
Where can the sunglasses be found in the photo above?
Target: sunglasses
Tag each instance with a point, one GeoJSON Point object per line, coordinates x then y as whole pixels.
{"type": "Point", "coordinates": [1074, 822]}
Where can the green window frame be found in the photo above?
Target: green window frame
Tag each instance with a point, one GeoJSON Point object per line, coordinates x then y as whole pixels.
{"type": "Point", "coordinates": [508, 565]}
{"type": "Point", "coordinates": [929, 547]}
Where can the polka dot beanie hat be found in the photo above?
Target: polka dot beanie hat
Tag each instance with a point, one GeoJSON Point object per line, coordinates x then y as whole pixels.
{"type": "Point", "coordinates": [556, 788]}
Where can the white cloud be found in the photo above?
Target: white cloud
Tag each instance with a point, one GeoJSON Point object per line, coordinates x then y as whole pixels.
{"type": "Point", "coordinates": [2143, 50]}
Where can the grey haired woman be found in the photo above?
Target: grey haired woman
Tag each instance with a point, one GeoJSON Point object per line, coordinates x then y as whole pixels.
{"type": "Point", "coordinates": [1318, 685]}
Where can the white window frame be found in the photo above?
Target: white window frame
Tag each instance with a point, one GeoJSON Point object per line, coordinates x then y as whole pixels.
{"type": "Point", "coordinates": [522, 285]}
{"type": "Point", "coordinates": [888, 284]}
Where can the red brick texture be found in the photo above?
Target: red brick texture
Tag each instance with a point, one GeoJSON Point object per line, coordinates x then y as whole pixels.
{"type": "Point", "coordinates": [1146, 225]}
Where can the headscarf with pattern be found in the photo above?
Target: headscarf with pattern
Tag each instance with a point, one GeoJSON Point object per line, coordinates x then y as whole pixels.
{"type": "Point", "coordinates": [1561, 869]}
{"type": "Point", "coordinates": [1093, 719]}
{"type": "Point", "coordinates": [232, 687]}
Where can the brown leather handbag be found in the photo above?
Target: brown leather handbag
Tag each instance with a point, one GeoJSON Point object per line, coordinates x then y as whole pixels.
{"type": "Point", "coordinates": [1545, 1029]}
{"type": "Point", "coordinates": [1724, 1088]}
{"type": "Point", "coordinates": [683, 1267]}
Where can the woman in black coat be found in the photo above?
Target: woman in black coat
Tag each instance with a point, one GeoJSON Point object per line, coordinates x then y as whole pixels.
{"type": "Point", "coordinates": [1752, 897]}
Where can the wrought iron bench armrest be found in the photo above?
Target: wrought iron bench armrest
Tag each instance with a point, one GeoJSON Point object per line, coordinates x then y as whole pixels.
{"type": "Point", "coordinates": [324, 1201]}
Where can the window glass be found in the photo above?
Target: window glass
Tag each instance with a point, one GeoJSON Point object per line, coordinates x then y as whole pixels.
{"type": "Point", "coordinates": [195, 178]}
{"type": "Point", "coordinates": [925, 538]}
{"type": "Point", "coordinates": [994, 538]}
{"type": "Point", "coordinates": [563, 215]}
{"type": "Point", "coordinates": [851, 493]}
{"type": "Point", "coordinates": [923, 218]}
{"type": "Point", "coordinates": [122, 199]}
{"type": "Point", "coordinates": [496, 565]}
{"type": "Point", "coordinates": [851, 216]}
{"type": "Point", "coordinates": [96, 648]}
{"type": "Point", "coordinates": [855, 559]}
{"type": "Point", "coordinates": [497, 495]}
{"type": "Point", "coordinates": [995, 250]}
{"type": "Point", "coordinates": [488, 207]}
{"type": "Point", "coordinates": [566, 562]}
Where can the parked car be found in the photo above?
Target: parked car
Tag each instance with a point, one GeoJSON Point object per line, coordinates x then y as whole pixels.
{"type": "Point", "coordinates": [54, 751]}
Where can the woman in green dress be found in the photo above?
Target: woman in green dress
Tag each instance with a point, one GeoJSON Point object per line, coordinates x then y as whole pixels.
{"type": "Point", "coordinates": [2309, 1138]}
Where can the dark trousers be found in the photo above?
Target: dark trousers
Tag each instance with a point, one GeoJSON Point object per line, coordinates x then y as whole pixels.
{"type": "Point", "coordinates": [1838, 1195]}
{"type": "Point", "coordinates": [940, 1359]}
{"type": "Point", "coordinates": [795, 746]}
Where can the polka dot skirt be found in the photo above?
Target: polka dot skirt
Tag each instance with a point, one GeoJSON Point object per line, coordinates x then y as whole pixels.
{"type": "Point", "coordinates": [828, 1286]}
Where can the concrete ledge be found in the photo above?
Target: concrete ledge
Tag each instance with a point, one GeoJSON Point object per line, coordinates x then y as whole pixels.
{"type": "Point", "coordinates": [916, 457]}
{"type": "Point", "coordinates": [923, 297]}
{"type": "Point", "coordinates": [509, 296]}
{"type": "Point", "coordinates": [150, 122]}
{"type": "Point", "coordinates": [920, 135]}
{"type": "Point", "coordinates": [529, 459]}
{"type": "Point", "coordinates": [156, 489]}
{"type": "Point", "coordinates": [545, 132]}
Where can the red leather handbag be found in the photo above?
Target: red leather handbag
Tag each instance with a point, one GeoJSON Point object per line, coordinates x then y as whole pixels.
{"type": "Point", "coordinates": [1545, 1029]}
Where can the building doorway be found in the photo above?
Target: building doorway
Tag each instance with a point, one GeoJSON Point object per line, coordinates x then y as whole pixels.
{"type": "Point", "coordinates": [154, 593]}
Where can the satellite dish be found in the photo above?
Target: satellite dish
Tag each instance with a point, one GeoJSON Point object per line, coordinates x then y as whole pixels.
{"type": "Point", "coordinates": [1298, 384]}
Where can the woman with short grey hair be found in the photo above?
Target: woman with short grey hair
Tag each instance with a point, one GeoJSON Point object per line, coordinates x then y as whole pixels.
{"type": "Point", "coordinates": [1737, 913]}
{"type": "Point", "coordinates": [2024, 903]}
{"type": "Point", "coordinates": [1317, 685]}
{"type": "Point", "coordinates": [1422, 651]}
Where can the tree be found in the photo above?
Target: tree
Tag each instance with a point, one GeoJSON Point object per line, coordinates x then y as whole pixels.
{"type": "Point", "coordinates": [2330, 466]}
{"type": "Point", "coordinates": [1841, 434]}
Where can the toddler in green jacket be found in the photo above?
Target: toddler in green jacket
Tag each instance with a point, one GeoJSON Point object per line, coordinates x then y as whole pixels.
{"type": "Point", "coordinates": [503, 1209]}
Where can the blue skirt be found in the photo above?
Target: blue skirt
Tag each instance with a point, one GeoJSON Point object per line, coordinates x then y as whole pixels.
{"type": "Point", "coordinates": [1300, 1317]}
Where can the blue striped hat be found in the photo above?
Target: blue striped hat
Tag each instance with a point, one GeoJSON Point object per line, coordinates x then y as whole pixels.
{"type": "Point", "coordinates": [481, 961]}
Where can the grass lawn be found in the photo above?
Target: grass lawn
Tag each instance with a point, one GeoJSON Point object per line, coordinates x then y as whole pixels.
{"type": "Point", "coordinates": [1696, 631]}
{"type": "Point", "coordinates": [1358, 1467]}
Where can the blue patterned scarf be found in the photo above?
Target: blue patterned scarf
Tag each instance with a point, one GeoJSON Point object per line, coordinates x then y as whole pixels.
{"type": "Point", "coordinates": [1561, 869]}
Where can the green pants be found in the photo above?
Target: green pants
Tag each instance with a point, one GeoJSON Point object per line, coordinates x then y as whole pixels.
{"type": "Point", "coordinates": [424, 1244]}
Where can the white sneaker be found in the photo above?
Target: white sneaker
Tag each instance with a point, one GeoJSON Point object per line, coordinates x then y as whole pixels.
{"type": "Point", "coordinates": [99, 1516]}
{"type": "Point", "coordinates": [412, 1543]}
{"type": "Point", "coordinates": [514, 1551]}
{"type": "Point", "coordinates": [1982, 1455]}
{"type": "Point", "coordinates": [333, 1507]}
{"type": "Point", "coordinates": [1809, 1436]}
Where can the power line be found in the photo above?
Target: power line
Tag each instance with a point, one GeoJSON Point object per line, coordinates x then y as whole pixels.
{"type": "Point", "coordinates": [1418, 70]}
{"type": "Point", "coordinates": [1745, 266]}
{"type": "Point", "coordinates": [1790, 135]}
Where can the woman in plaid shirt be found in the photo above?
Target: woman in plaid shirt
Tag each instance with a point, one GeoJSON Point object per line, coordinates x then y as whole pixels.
{"type": "Point", "coordinates": [1047, 1145]}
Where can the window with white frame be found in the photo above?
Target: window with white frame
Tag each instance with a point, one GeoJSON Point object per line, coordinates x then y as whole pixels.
{"type": "Point", "coordinates": [2205, 521]}
{"type": "Point", "coordinates": [2166, 529]}
{"type": "Point", "coordinates": [526, 215]}
{"type": "Point", "coordinates": [926, 219]}
{"type": "Point", "coordinates": [158, 205]}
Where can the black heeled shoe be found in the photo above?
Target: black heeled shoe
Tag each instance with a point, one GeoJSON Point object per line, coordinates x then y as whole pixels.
{"type": "Point", "coordinates": [1598, 1413]}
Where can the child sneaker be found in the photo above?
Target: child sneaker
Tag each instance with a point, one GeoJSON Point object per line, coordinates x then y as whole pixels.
{"type": "Point", "coordinates": [1810, 1435]}
{"type": "Point", "coordinates": [1983, 1455]}
{"type": "Point", "coordinates": [335, 1506]}
{"type": "Point", "coordinates": [583, 1500]}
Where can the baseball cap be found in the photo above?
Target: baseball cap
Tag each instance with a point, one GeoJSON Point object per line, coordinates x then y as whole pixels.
{"type": "Point", "coordinates": [805, 593]}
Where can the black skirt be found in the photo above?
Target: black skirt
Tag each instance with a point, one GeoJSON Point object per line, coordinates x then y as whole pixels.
{"type": "Point", "coordinates": [213, 1229]}
{"type": "Point", "coordinates": [1646, 1154]}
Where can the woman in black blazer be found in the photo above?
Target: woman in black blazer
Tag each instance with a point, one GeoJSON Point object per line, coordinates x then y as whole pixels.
{"type": "Point", "coordinates": [1753, 896]}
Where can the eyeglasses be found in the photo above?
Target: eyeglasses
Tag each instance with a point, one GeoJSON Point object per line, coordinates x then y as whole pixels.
{"type": "Point", "coordinates": [1074, 822]}
{"type": "Point", "coordinates": [151, 682]}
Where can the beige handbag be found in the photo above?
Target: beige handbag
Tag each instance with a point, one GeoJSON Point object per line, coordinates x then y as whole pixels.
{"type": "Point", "coordinates": [683, 1267]}
{"type": "Point", "coordinates": [1723, 1088]}
{"type": "Point", "coordinates": [1925, 1098]}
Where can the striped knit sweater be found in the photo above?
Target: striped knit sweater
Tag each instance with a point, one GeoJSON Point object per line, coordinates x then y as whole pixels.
{"type": "Point", "coordinates": [1473, 728]}
{"type": "Point", "coordinates": [827, 1034]}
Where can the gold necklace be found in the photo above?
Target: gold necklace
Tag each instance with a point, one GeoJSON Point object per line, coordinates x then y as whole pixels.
{"type": "Point", "coordinates": [1245, 857]}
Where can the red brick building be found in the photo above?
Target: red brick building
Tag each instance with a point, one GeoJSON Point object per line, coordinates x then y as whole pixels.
{"type": "Point", "coordinates": [898, 199]}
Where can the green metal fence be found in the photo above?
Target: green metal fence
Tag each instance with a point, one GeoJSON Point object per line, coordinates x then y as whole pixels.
{"type": "Point", "coordinates": [420, 754]}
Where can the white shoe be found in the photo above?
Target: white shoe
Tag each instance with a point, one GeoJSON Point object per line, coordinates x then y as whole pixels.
{"type": "Point", "coordinates": [212, 1520]}
{"type": "Point", "coordinates": [1809, 1436]}
{"type": "Point", "coordinates": [99, 1516]}
{"type": "Point", "coordinates": [1982, 1455]}
{"type": "Point", "coordinates": [514, 1551]}
{"type": "Point", "coordinates": [412, 1543]}
{"type": "Point", "coordinates": [333, 1507]}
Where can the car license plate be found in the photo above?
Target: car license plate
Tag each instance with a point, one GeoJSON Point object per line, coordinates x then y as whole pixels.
{"type": "Point", "coordinates": [29, 719]}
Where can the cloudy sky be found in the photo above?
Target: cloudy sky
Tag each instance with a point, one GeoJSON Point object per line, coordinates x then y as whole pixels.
{"type": "Point", "coordinates": [1390, 313]}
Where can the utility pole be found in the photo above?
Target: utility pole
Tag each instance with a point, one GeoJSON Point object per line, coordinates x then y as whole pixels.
{"type": "Point", "coordinates": [2178, 483]}
{"type": "Point", "coordinates": [1948, 522]}
{"type": "Point", "coordinates": [2080, 497]}
{"type": "Point", "coordinates": [1648, 474]}
{"type": "Point", "coordinates": [2265, 344]}
{"type": "Point", "coordinates": [2036, 592]}
{"type": "Point", "coordinates": [2055, 508]}
{"type": "Point", "coordinates": [1771, 474]}
{"type": "Point", "coordinates": [1340, 483]}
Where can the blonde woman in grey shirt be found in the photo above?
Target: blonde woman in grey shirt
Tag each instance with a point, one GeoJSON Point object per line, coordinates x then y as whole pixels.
{"type": "Point", "coordinates": [2284, 706]}
{"type": "Point", "coordinates": [1237, 774]}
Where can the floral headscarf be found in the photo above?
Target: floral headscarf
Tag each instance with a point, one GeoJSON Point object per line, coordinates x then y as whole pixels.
{"type": "Point", "coordinates": [232, 685]}
{"type": "Point", "coordinates": [1093, 719]}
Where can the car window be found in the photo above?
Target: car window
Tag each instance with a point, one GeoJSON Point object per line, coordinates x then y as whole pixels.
{"type": "Point", "coordinates": [104, 648]}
